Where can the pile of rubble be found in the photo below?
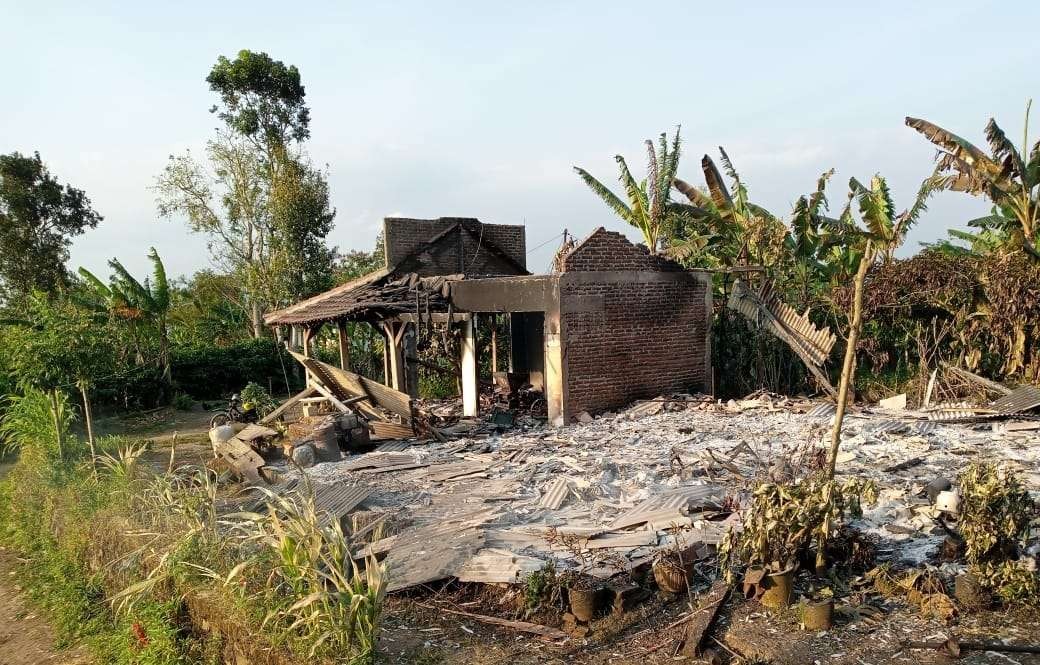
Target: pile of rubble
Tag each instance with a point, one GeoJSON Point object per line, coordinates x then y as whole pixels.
{"type": "Point", "coordinates": [493, 508]}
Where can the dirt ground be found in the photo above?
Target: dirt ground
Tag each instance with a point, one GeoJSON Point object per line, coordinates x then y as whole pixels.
{"type": "Point", "coordinates": [25, 637]}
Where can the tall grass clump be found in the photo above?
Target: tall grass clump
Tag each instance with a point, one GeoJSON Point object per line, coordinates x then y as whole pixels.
{"type": "Point", "coordinates": [124, 557]}
{"type": "Point", "coordinates": [319, 594]}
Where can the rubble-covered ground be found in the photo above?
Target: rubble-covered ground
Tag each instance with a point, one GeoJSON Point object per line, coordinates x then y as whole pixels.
{"type": "Point", "coordinates": [480, 509]}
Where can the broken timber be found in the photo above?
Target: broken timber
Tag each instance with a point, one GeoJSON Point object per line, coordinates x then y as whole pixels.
{"type": "Point", "coordinates": [371, 397]}
{"type": "Point", "coordinates": [763, 309]}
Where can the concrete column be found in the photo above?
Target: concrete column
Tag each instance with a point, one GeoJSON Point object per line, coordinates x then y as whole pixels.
{"type": "Point", "coordinates": [411, 367]}
{"type": "Point", "coordinates": [470, 382]}
{"type": "Point", "coordinates": [344, 344]}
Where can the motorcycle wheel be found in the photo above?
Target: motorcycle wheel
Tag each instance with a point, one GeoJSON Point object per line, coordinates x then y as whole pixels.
{"type": "Point", "coordinates": [219, 419]}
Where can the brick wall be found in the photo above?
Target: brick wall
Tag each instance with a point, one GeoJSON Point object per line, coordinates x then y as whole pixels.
{"type": "Point", "coordinates": [609, 250]}
{"type": "Point", "coordinates": [459, 251]}
{"type": "Point", "coordinates": [627, 338]}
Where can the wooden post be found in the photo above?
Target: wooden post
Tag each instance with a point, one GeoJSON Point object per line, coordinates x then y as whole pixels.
{"type": "Point", "coordinates": [470, 380]}
{"type": "Point", "coordinates": [394, 332]}
{"type": "Point", "coordinates": [343, 338]}
{"type": "Point", "coordinates": [308, 332]}
{"type": "Point", "coordinates": [494, 342]}
{"type": "Point", "coordinates": [411, 351]}
{"type": "Point", "coordinates": [89, 420]}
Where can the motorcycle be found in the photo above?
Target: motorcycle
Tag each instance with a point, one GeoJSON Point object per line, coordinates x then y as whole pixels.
{"type": "Point", "coordinates": [236, 412]}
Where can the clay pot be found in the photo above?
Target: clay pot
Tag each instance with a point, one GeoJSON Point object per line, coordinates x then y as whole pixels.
{"type": "Point", "coordinates": [583, 603]}
{"type": "Point", "coordinates": [671, 577]}
{"type": "Point", "coordinates": [779, 587]}
{"type": "Point", "coordinates": [818, 615]}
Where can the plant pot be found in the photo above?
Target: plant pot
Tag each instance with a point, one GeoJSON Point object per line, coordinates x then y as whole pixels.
{"type": "Point", "coordinates": [672, 577]}
{"type": "Point", "coordinates": [818, 615]}
{"type": "Point", "coordinates": [583, 603]}
{"type": "Point", "coordinates": [778, 589]}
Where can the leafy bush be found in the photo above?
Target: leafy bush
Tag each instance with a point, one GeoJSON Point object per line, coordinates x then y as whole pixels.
{"type": "Point", "coordinates": [183, 402]}
{"type": "Point", "coordinates": [258, 398]}
{"type": "Point", "coordinates": [784, 520]}
{"type": "Point", "coordinates": [996, 511]}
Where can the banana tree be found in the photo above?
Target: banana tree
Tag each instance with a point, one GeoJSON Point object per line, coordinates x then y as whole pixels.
{"type": "Point", "coordinates": [741, 231]}
{"type": "Point", "coordinates": [885, 226]}
{"type": "Point", "coordinates": [648, 207]}
{"type": "Point", "coordinates": [1008, 177]}
{"type": "Point", "coordinates": [882, 232]}
{"type": "Point", "coordinates": [133, 301]}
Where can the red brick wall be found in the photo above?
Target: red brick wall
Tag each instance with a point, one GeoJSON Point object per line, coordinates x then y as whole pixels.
{"type": "Point", "coordinates": [626, 338]}
{"type": "Point", "coordinates": [609, 250]}
{"type": "Point", "coordinates": [458, 251]}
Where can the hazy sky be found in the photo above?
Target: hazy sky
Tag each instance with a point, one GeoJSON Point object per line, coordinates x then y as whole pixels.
{"type": "Point", "coordinates": [481, 108]}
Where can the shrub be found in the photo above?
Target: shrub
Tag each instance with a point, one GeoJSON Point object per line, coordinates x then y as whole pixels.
{"type": "Point", "coordinates": [995, 514]}
{"type": "Point", "coordinates": [785, 520]}
{"type": "Point", "coordinates": [183, 402]}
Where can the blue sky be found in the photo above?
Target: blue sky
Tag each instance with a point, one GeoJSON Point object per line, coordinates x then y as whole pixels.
{"type": "Point", "coordinates": [482, 108]}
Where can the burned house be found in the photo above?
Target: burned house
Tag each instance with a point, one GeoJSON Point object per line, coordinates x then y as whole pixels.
{"type": "Point", "coordinates": [614, 323]}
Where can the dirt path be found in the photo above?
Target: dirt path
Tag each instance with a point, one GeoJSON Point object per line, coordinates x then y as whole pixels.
{"type": "Point", "coordinates": [25, 637]}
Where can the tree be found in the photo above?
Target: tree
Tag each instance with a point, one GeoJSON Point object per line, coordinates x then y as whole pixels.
{"type": "Point", "coordinates": [1008, 177]}
{"type": "Point", "coordinates": [127, 299]}
{"type": "Point", "coordinates": [60, 347]}
{"type": "Point", "coordinates": [740, 231]}
{"type": "Point", "coordinates": [38, 219]}
{"type": "Point", "coordinates": [263, 205]}
{"type": "Point", "coordinates": [883, 233]}
{"type": "Point", "coordinates": [263, 99]}
{"type": "Point", "coordinates": [648, 208]}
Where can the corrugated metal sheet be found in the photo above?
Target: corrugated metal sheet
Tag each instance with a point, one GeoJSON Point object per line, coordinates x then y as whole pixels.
{"type": "Point", "coordinates": [334, 501]}
{"type": "Point", "coordinates": [555, 494]}
{"type": "Point", "coordinates": [498, 566]}
{"type": "Point", "coordinates": [671, 503]}
{"type": "Point", "coordinates": [444, 472]}
{"type": "Point", "coordinates": [377, 460]}
{"type": "Point", "coordinates": [822, 410]}
{"type": "Point", "coordinates": [888, 426]}
{"type": "Point", "coordinates": [394, 446]}
{"type": "Point", "coordinates": [1018, 400]}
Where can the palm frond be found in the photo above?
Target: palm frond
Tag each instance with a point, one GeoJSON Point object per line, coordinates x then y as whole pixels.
{"type": "Point", "coordinates": [160, 288]}
{"type": "Point", "coordinates": [607, 196]}
{"type": "Point", "coordinates": [99, 287]}
{"type": "Point", "coordinates": [1004, 151]}
{"type": "Point", "coordinates": [636, 194]}
{"type": "Point", "coordinates": [716, 187]}
{"type": "Point", "coordinates": [964, 151]}
{"type": "Point", "coordinates": [693, 194]}
{"type": "Point", "coordinates": [653, 188]}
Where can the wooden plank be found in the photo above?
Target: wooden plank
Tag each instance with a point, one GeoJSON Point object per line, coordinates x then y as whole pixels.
{"type": "Point", "coordinates": [391, 430]}
{"type": "Point", "coordinates": [242, 459]}
{"type": "Point", "coordinates": [287, 404]}
{"type": "Point", "coordinates": [701, 619]}
{"type": "Point", "coordinates": [546, 632]}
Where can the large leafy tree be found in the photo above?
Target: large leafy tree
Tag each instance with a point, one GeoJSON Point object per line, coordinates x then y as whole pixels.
{"type": "Point", "coordinates": [263, 205]}
{"type": "Point", "coordinates": [648, 206]}
{"type": "Point", "coordinates": [1007, 176]}
{"type": "Point", "coordinates": [39, 216]}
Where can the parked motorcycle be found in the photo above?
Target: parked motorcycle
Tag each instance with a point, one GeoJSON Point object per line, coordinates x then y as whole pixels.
{"type": "Point", "coordinates": [236, 412]}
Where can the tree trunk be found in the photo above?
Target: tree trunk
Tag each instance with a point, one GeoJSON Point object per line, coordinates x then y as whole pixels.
{"type": "Point", "coordinates": [88, 418]}
{"type": "Point", "coordinates": [256, 319]}
{"type": "Point", "coordinates": [164, 351]}
{"type": "Point", "coordinates": [56, 416]}
{"type": "Point", "coordinates": [848, 368]}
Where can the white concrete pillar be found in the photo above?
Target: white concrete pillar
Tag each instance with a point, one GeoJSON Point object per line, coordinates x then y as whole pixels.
{"type": "Point", "coordinates": [470, 382]}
